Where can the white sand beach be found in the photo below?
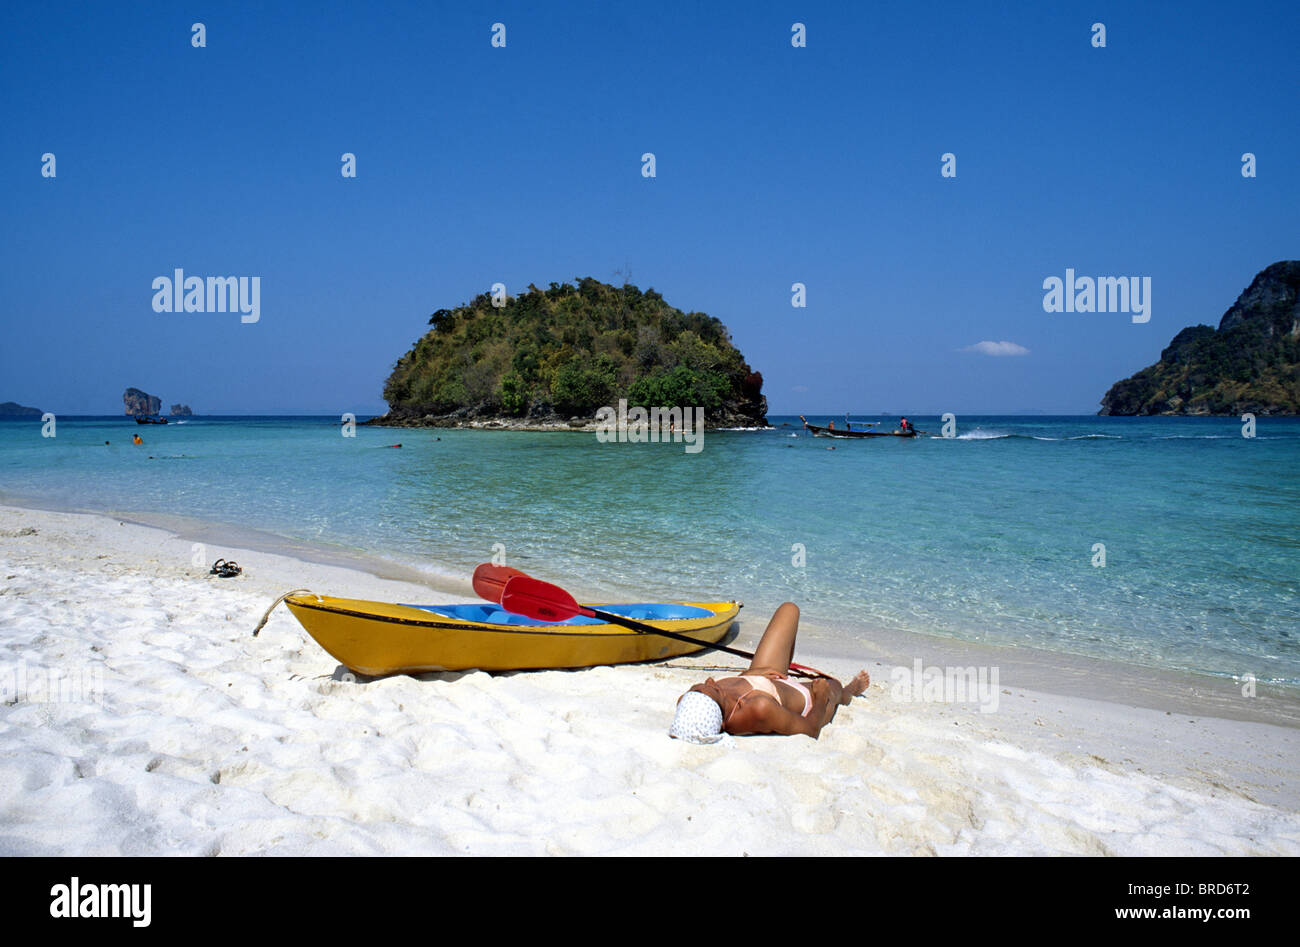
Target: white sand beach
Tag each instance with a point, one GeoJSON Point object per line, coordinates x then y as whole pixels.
{"type": "Point", "coordinates": [177, 732]}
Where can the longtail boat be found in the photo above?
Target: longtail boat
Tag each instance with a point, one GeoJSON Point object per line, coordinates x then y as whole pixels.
{"type": "Point", "coordinates": [818, 431]}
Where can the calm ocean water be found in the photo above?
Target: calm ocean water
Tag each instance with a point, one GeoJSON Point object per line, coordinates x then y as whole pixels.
{"type": "Point", "coordinates": [988, 536]}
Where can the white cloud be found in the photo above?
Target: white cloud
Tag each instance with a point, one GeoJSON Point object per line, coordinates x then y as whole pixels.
{"type": "Point", "coordinates": [996, 348]}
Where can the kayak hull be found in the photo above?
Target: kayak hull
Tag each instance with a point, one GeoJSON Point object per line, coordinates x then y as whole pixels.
{"type": "Point", "coordinates": [377, 638]}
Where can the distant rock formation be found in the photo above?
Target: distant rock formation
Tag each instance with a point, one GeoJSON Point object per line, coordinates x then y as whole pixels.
{"type": "Point", "coordinates": [11, 409]}
{"type": "Point", "coordinates": [139, 403]}
{"type": "Point", "coordinates": [181, 411]}
{"type": "Point", "coordinates": [1251, 363]}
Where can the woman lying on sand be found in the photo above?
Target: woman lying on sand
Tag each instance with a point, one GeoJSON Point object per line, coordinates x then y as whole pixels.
{"type": "Point", "coordinates": [764, 699]}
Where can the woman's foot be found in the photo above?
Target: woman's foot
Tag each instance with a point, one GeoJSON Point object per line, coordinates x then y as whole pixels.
{"type": "Point", "coordinates": [861, 681]}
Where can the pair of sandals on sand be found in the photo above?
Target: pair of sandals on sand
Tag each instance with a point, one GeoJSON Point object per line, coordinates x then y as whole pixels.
{"type": "Point", "coordinates": [225, 569]}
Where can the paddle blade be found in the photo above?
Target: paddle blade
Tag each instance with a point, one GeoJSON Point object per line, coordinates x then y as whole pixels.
{"type": "Point", "coordinates": [534, 598]}
{"type": "Point", "coordinates": [490, 581]}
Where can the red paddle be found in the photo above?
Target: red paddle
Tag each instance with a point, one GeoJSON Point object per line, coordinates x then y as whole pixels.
{"type": "Point", "coordinates": [534, 598]}
{"type": "Point", "coordinates": [490, 580]}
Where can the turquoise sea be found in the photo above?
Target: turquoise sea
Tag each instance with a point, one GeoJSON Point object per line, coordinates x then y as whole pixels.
{"type": "Point", "coordinates": [990, 535]}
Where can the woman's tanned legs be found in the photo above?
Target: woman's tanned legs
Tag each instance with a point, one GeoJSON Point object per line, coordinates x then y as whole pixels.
{"type": "Point", "coordinates": [775, 650]}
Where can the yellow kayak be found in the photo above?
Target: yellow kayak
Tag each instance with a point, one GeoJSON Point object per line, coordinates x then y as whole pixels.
{"type": "Point", "coordinates": [375, 638]}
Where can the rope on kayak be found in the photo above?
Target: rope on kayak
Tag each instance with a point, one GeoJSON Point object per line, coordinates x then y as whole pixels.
{"type": "Point", "coordinates": [266, 617]}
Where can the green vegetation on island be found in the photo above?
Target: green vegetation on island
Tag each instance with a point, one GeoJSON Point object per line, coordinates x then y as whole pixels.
{"type": "Point", "coordinates": [1251, 363]}
{"type": "Point", "coordinates": [555, 356]}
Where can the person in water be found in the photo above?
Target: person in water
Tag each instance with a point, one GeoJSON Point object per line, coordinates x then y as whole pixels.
{"type": "Point", "coordinates": [764, 698]}
{"type": "Point", "coordinates": [137, 439]}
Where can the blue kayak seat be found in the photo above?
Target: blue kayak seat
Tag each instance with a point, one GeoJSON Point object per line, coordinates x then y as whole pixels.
{"type": "Point", "coordinates": [488, 613]}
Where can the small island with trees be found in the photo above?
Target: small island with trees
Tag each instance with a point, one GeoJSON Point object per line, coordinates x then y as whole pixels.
{"type": "Point", "coordinates": [548, 359]}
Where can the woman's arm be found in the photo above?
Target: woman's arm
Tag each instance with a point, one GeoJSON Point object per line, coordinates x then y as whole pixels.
{"type": "Point", "coordinates": [764, 714]}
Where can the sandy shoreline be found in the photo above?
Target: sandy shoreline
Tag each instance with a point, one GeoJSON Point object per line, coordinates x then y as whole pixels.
{"type": "Point", "coordinates": [196, 738]}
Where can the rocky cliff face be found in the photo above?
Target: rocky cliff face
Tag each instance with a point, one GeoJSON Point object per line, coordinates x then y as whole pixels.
{"type": "Point", "coordinates": [181, 411]}
{"type": "Point", "coordinates": [138, 402]}
{"type": "Point", "coordinates": [1251, 363]}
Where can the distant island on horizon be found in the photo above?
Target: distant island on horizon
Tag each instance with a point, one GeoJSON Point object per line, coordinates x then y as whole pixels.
{"type": "Point", "coordinates": [1250, 364]}
{"type": "Point", "coordinates": [11, 409]}
{"type": "Point", "coordinates": [137, 404]}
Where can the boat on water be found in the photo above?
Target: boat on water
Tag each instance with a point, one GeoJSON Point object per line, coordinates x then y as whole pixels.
{"type": "Point", "coordinates": [376, 638]}
{"type": "Point", "coordinates": [149, 419]}
{"type": "Point", "coordinates": [818, 430]}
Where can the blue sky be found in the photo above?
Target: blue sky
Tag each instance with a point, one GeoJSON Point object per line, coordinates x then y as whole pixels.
{"type": "Point", "coordinates": [775, 165]}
